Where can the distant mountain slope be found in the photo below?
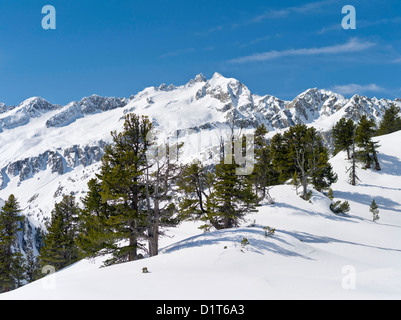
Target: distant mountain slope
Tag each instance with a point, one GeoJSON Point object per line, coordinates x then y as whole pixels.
{"type": "Point", "coordinates": [313, 254]}
{"type": "Point", "coordinates": [45, 146]}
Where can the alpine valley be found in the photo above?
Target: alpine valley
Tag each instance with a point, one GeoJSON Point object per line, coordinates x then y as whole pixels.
{"type": "Point", "coordinates": [49, 150]}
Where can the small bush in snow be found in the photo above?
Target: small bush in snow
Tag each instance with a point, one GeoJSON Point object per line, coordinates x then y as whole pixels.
{"type": "Point", "coordinates": [244, 242]}
{"type": "Point", "coordinates": [374, 209]}
{"type": "Point", "coordinates": [269, 232]}
{"type": "Point", "coordinates": [340, 207]}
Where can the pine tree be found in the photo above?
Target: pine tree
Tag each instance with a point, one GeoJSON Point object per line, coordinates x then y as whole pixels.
{"type": "Point", "coordinates": [323, 176]}
{"type": "Point", "coordinates": [60, 249]}
{"type": "Point", "coordinates": [96, 234]}
{"type": "Point", "coordinates": [363, 138]}
{"type": "Point", "coordinates": [353, 178]}
{"type": "Point", "coordinates": [28, 245]}
{"type": "Point", "coordinates": [12, 268]}
{"type": "Point", "coordinates": [123, 184]}
{"type": "Point", "coordinates": [195, 182]}
{"type": "Point", "coordinates": [391, 121]}
{"type": "Point", "coordinates": [343, 133]}
{"type": "Point", "coordinates": [295, 181]}
{"type": "Point", "coordinates": [306, 155]}
{"type": "Point", "coordinates": [161, 174]}
{"type": "Point", "coordinates": [263, 174]}
{"type": "Point", "coordinates": [232, 197]}
{"type": "Point", "coordinates": [374, 209]}
{"type": "Point", "coordinates": [282, 162]}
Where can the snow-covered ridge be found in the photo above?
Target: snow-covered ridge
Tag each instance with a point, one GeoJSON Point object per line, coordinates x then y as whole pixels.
{"type": "Point", "coordinates": [313, 253]}
{"type": "Point", "coordinates": [41, 142]}
{"type": "Point", "coordinates": [226, 99]}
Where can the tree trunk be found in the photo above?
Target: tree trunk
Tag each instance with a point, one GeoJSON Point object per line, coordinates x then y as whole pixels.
{"type": "Point", "coordinates": [375, 158]}
{"type": "Point", "coordinates": [153, 231]}
{"type": "Point", "coordinates": [133, 244]}
{"type": "Point", "coordinates": [348, 153]}
{"type": "Point", "coordinates": [304, 185]}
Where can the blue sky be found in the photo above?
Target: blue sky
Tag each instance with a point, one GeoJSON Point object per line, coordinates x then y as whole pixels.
{"type": "Point", "coordinates": [117, 48]}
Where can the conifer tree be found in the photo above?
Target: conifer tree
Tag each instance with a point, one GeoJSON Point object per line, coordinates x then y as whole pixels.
{"type": "Point", "coordinates": [195, 182]}
{"type": "Point", "coordinates": [123, 184]}
{"type": "Point", "coordinates": [231, 199]}
{"type": "Point", "coordinates": [12, 266]}
{"type": "Point", "coordinates": [60, 249]}
{"type": "Point", "coordinates": [295, 181]}
{"type": "Point", "coordinates": [343, 133]}
{"type": "Point", "coordinates": [374, 209]}
{"type": "Point", "coordinates": [363, 138]}
{"type": "Point", "coordinates": [301, 149]}
{"type": "Point", "coordinates": [282, 163]}
{"type": "Point", "coordinates": [96, 233]}
{"type": "Point", "coordinates": [323, 176]}
{"type": "Point", "coordinates": [353, 178]}
{"type": "Point", "coordinates": [161, 175]}
{"type": "Point", "coordinates": [263, 174]}
{"type": "Point", "coordinates": [391, 121]}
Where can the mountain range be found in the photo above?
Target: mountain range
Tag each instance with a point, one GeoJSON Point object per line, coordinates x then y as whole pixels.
{"type": "Point", "coordinates": [48, 150]}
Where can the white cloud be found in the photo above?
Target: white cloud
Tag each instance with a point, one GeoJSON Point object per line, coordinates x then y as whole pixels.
{"type": "Point", "coordinates": [352, 45]}
{"type": "Point", "coordinates": [209, 31]}
{"type": "Point", "coordinates": [307, 8]}
{"type": "Point", "coordinates": [353, 88]}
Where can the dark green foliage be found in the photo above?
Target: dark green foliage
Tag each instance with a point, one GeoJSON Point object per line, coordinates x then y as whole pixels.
{"type": "Point", "coordinates": [264, 175]}
{"type": "Point", "coordinates": [60, 249]}
{"type": "Point", "coordinates": [343, 134]}
{"type": "Point", "coordinates": [96, 234]}
{"type": "Point", "coordinates": [374, 209]}
{"type": "Point", "coordinates": [300, 150]}
{"type": "Point", "coordinates": [12, 264]}
{"type": "Point", "coordinates": [132, 199]}
{"type": "Point", "coordinates": [391, 121]}
{"type": "Point", "coordinates": [196, 184]}
{"type": "Point", "coordinates": [122, 178]}
{"type": "Point", "coordinates": [363, 137]}
{"type": "Point", "coordinates": [323, 176]}
{"type": "Point", "coordinates": [340, 207]}
{"type": "Point", "coordinates": [220, 197]}
{"type": "Point", "coordinates": [232, 197]}
{"type": "Point", "coordinates": [269, 232]}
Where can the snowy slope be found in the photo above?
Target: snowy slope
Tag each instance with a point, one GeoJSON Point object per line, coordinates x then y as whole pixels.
{"type": "Point", "coordinates": [313, 254]}
{"type": "Point", "coordinates": [48, 150]}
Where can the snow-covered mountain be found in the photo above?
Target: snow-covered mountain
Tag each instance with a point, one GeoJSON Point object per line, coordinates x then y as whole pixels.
{"type": "Point", "coordinates": [48, 150]}
{"type": "Point", "coordinates": [313, 253]}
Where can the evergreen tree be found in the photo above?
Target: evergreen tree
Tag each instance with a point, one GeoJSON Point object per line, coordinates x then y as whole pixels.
{"type": "Point", "coordinates": [363, 137]}
{"type": "Point", "coordinates": [391, 121]}
{"type": "Point", "coordinates": [300, 149]}
{"type": "Point", "coordinates": [282, 163]}
{"type": "Point", "coordinates": [12, 267]}
{"type": "Point", "coordinates": [32, 263]}
{"type": "Point", "coordinates": [374, 209]}
{"type": "Point", "coordinates": [60, 249]}
{"type": "Point", "coordinates": [263, 174]}
{"type": "Point", "coordinates": [295, 181]}
{"type": "Point", "coordinates": [343, 133]}
{"type": "Point", "coordinates": [161, 175]}
{"type": "Point", "coordinates": [232, 197]}
{"type": "Point", "coordinates": [353, 178]}
{"type": "Point", "coordinates": [196, 183]}
{"type": "Point", "coordinates": [323, 176]}
{"type": "Point", "coordinates": [96, 234]}
{"type": "Point", "coordinates": [123, 184]}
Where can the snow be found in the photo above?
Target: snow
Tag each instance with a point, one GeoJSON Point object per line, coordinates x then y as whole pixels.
{"type": "Point", "coordinates": [313, 254]}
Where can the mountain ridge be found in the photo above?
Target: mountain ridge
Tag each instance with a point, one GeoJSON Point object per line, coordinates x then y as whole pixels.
{"type": "Point", "coordinates": [41, 143]}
